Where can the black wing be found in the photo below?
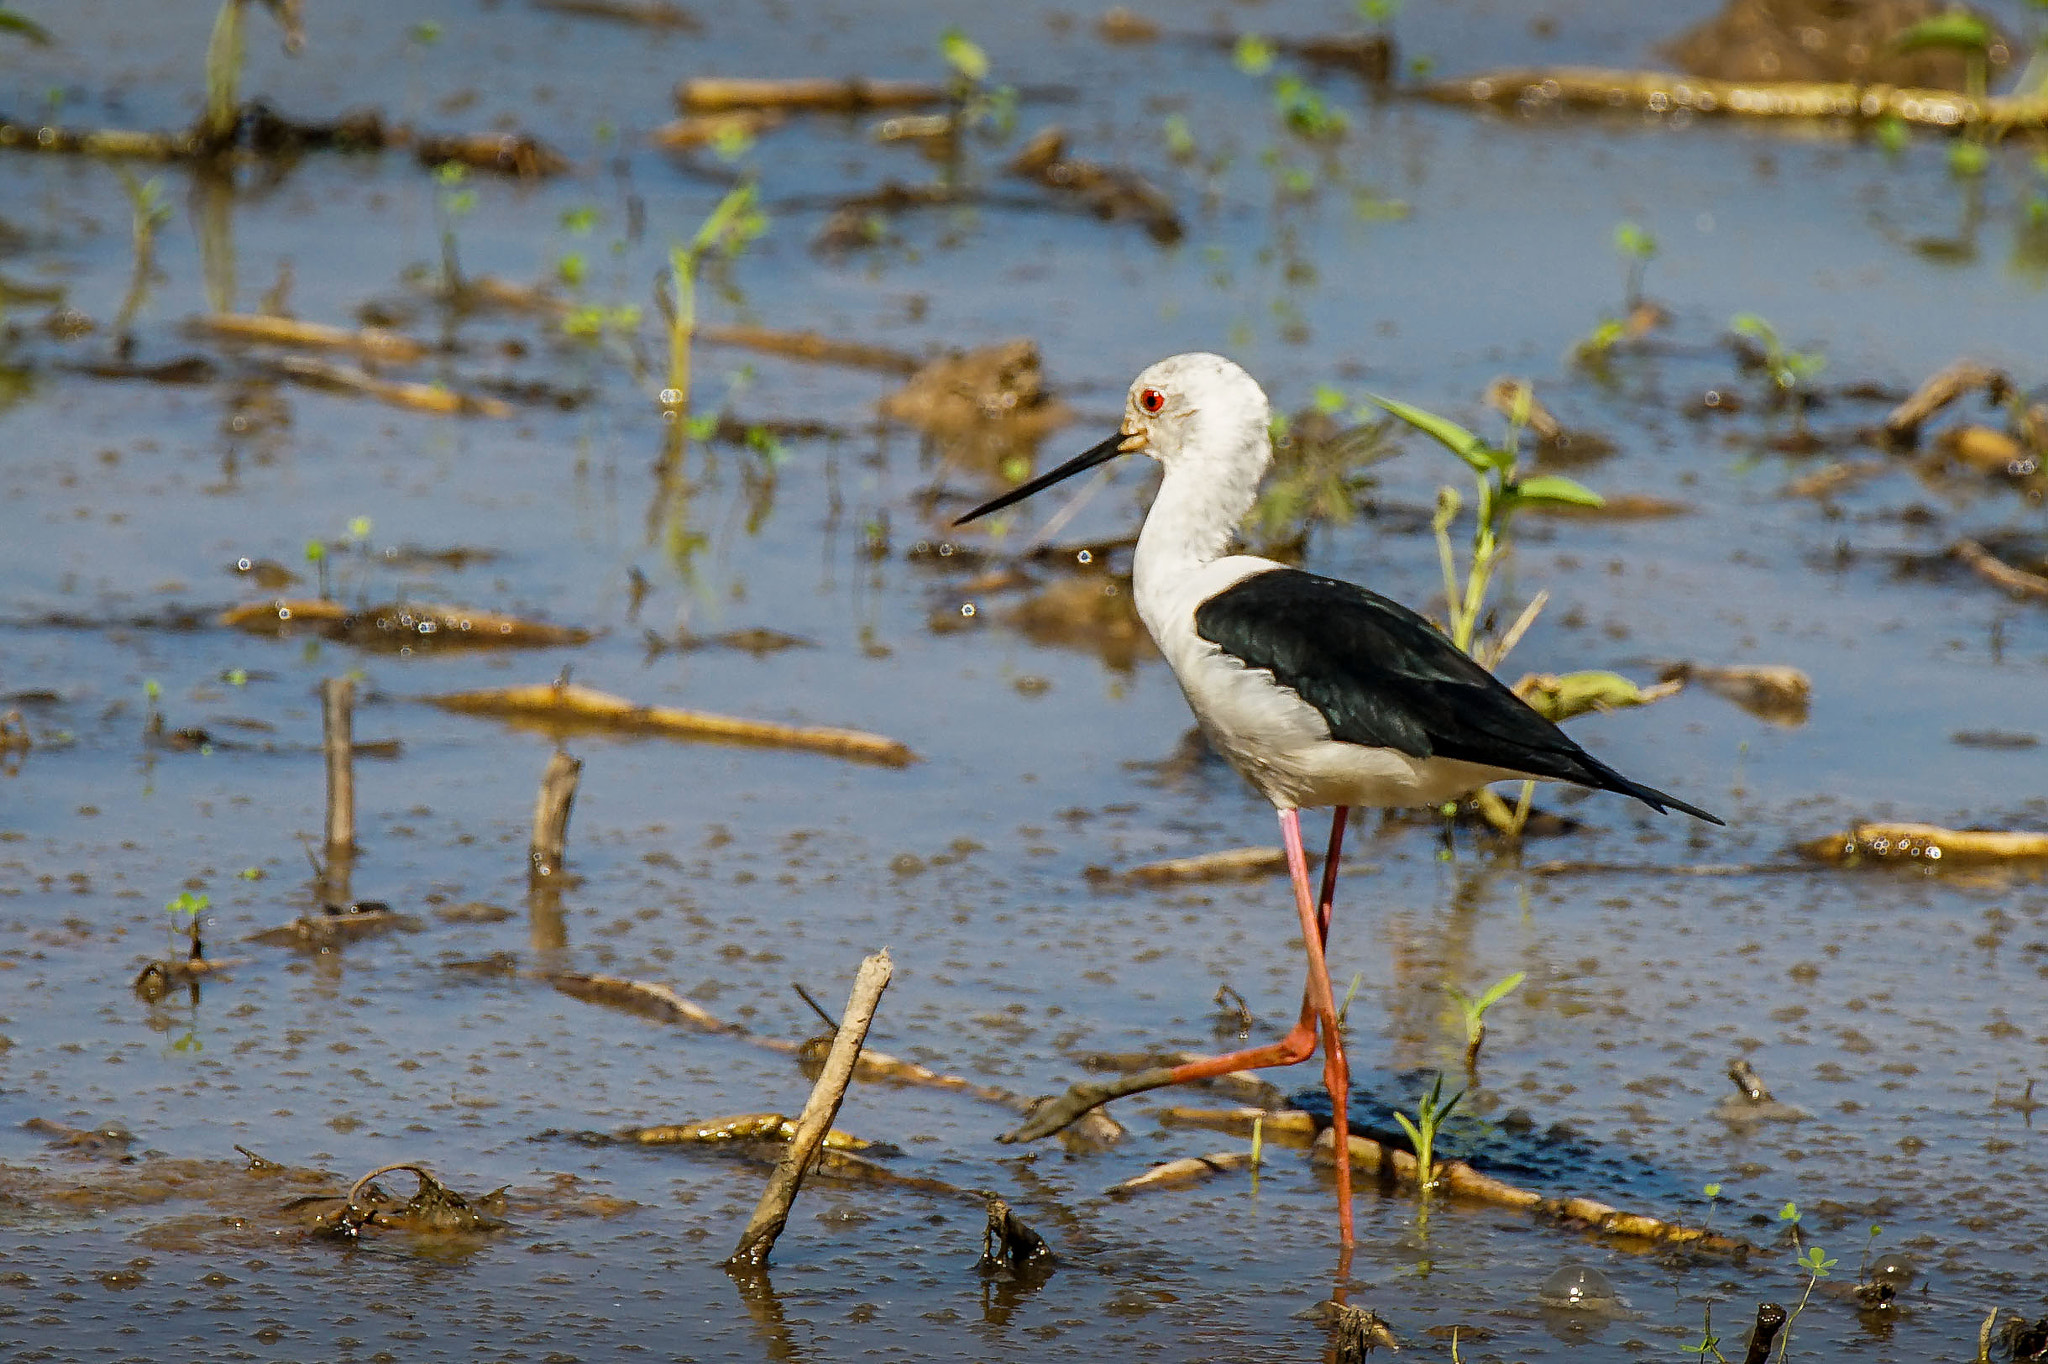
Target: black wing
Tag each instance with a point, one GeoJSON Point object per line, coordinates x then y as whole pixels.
{"type": "Point", "coordinates": [1384, 677]}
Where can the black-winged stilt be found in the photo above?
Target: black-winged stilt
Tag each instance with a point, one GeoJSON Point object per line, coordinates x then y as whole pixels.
{"type": "Point", "coordinates": [1319, 692]}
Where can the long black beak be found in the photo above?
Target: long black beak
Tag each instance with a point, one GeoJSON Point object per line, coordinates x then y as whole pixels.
{"type": "Point", "coordinates": [1101, 454]}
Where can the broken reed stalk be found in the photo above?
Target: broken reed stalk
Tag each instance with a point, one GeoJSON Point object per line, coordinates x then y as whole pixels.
{"type": "Point", "coordinates": [1770, 1319]}
{"type": "Point", "coordinates": [337, 718]}
{"type": "Point", "coordinates": [1993, 569]}
{"type": "Point", "coordinates": [551, 816]}
{"type": "Point", "coordinates": [1666, 92]}
{"type": "Point", "coordinates": [772, 1213]}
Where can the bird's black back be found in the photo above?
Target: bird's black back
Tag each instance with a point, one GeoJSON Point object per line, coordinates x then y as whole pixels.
{"type": "Point", "coordinates": [1384, 677]}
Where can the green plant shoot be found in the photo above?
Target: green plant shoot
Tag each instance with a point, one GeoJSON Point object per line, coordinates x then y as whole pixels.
{"type": "Point", "coordinates": [1475, 1012]}
{"type": "Point", "coordinates": [1430, 1113]}
{"type": "Point", "coordinates": [732, 225]}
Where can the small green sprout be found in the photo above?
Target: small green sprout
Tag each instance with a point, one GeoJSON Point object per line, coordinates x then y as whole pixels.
{"type": "Point", "coordinates": [573, 268]}
{"type": "Point", "coordinates": [1637, 247]}
{"type": "Point", "coordinates": [580, 221]}
{"type": "Point", "coordinates": [1968, 159]}
{"type": "Point", "coordinates": [1180, 141]}
{"type": "Point", "coordinates": [236, 677]}
{"type": "Point", "coordinates": [251, 873]}
{"type": "Point", "coordinates": [1790, 370]}
{"type": "Point", "coordinates": [1475, 1013]}
{"type": "Point", "coordinates": [1302, 107]}
{"type": "Point", "coordinates": [183, 916]}
{"type": "Point", "coordinates": [1380, 12]}
{"type": "Point", "coordinates": [1422, 1130]}
{"type": "Point", "coordinates": [1815, 1264]}
{"type": "Point", "coordinates": [426, 33]}
{"type": "Point", "coordinates": [1892, 134]}
{"type": "Point", "coordinates": [1253, 55]}
{"type": "Point", "coordinates": [1709, 1344]}
{"type": "Point", "coordinates": [316, 555]}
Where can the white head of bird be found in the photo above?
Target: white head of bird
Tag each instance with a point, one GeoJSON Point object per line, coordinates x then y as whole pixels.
{"type": "Point", "coordinates": [1208, 424]}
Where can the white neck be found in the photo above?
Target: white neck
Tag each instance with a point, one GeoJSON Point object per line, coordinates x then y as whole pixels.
{"type": "Point", "coordinates": [1193, 520]}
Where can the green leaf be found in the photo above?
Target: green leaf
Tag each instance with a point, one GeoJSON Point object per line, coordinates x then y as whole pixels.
{"type": "Point", "coordinates": [1453, 437]}
{"type": "Point", "coordinates": [1501, 990]}
{"type": "Point", "coordinates": [1555, 488]}
{"type": "Point", "coordinates": [1957, 30]}
{"type": "Point", "coordinates": [25, 26]}
{"type": "Point", "coordinates": [964, 55]}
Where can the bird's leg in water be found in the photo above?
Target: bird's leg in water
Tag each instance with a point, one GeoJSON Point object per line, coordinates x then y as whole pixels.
{"type": "Point", "coordinates": [1336, 1074]}
{"type": "Point", "coordinates": [1297, 1046]}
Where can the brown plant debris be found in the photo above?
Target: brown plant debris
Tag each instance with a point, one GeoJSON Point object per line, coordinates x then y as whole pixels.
{"type": "Point", "coordinates": [14, 733]}
{"type": "Point", "coordinates": [1004, 382]}
{"type": "Point", "coordinates": [411, 625]}
{"type": "Point", "coordinates": [642, 997]}
{"type": "Point", "coordinates": [1824, 40]}
{"type": "Point", "coordinates": [414, 397]}
{"type": "Point", "coordinates": [1284, 1125]}
{"type": "Point", "coordinates": [1110, 192]}
{"type": "Point", "coordinates": [518, 154]}
{"type": "Point", "coordinates": [738, 1127]}
{"type": "Point", "coordinates": [159, 978]}
{"type": "Point", "coordinates": [1120, 25]}
{"type": "Point", "coordinates": [1459, 1180]}
{"type": "Point", "coordinates": [1836, 476]}
{"type": "Point", "coordinates": [562, 708]}
{"type": "Point", "coordinates": [1924, 845]}
{"type": "Point", "coordinates": [712, 94]}
{"type": "Point", "coordinates": [1229, 864]}
{"type": "Point", "coordinates": [701, 130]}
{"type": "Point", "coordinates": [1955, 380]}
{"type": "Point", "coordinates": [333, 928]}
{"type": "Point", "coordinates": [434, 1208]}
{"type": "Point", "coordinates": [1186, 1170]}
{"type": "Point", "coordinates": [1986, 450]}
{"type": "Point", "coordinates": [374, 343]}
{"type": "Point", "coordinates": [1667, 92]}
{"type": "Point", "coordinates": [646, 13]}
{"type": "Point", "coordinates": [111, 1139]}
{"type": "Point", "coordinates": [1769, 691]}
{"type": "Point", "coordinates": [1993, 569]}
{"type": "Point", "coordinates": [1355, 1332]}
{"type": "Point", "coordinates": [806, 345]}
{"type": "Point", "coordinates": [1007, 1243]}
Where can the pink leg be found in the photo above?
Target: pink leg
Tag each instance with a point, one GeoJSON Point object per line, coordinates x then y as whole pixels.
{"type": "Point", "coordinates": [1300, 1042]}
{"type": "Point", "coordinates": [1336, 1074]}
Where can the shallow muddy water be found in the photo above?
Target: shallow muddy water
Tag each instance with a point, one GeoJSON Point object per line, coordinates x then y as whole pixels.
{"type": "Point", "coordinates": [1426, 252]}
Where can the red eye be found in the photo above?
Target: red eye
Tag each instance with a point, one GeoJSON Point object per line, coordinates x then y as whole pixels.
{"type": "Point", "coordinates": [1152, 400]}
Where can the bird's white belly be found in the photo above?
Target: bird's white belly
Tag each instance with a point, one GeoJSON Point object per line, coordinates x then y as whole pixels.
{"type": "Point", "coordinates": [1283, 747]}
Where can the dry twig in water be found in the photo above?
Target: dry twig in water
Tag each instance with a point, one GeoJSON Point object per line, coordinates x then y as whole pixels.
{"type": "Point", "coordinates": [374, 343]}
{"type": "Point", "coordinates": [1599, 88]}
{"type": "Point", "coordinates": [772, 1213]}
{"type": "Point", "coordinates": [1993, 569]}
{"type": "Point", "coordinates": [1925, 844]}
{"type": "Point", "coordinates": [565, 708]}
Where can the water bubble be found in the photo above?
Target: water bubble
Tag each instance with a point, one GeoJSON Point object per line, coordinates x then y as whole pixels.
{"type": "Point", "coordinates": [1085, 557]}
{"type": "Point", "coordinates": [1580, 1287]}
{"type": "Point", "coordinates": [967, 609]}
